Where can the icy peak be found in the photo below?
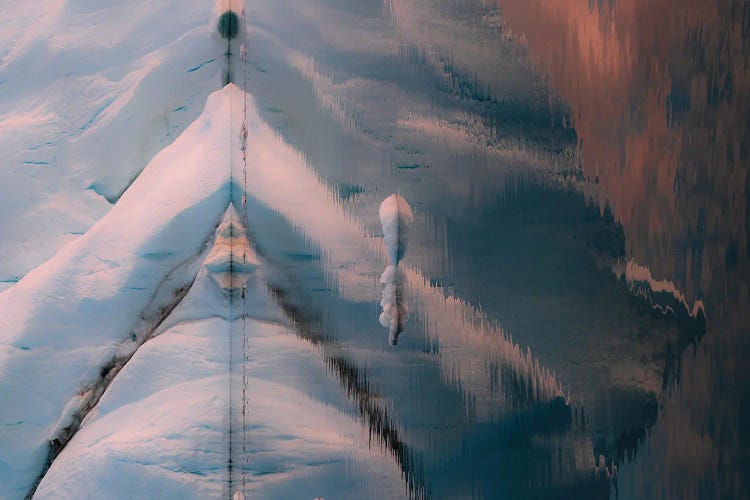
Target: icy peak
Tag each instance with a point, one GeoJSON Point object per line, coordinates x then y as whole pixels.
{"type": "Point", "coordinates": [232, 90]}
{"type": "Point", "coordinates": [231, 261]}
{"type": "Point", "coordinates": [222, 6]}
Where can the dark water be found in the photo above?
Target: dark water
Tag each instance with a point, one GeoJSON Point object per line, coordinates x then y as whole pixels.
{"type": "Point", "coordinates": [578, 263]}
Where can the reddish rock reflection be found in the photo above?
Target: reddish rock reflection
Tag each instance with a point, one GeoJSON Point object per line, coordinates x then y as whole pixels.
{"type": "Point", "coordinates": [659, 97]}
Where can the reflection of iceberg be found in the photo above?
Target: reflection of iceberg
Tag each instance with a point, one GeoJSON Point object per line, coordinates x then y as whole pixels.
{"type": "Point", "coordinates": [395, 310]}
{"type": "Point", "coordinates": [395, 217]}
{"type": "Point", "coordinates": [472, 349]}
{"type": "Point", "coordinates": [476, 360]}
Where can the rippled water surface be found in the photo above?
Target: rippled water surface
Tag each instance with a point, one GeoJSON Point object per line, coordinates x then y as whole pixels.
{"type": "Point", "coordinates": [576, 275]}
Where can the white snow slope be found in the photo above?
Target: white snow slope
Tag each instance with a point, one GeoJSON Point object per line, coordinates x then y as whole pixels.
{"type": "Point", "coordinates": [72, 314]}
{"type": "Point", "coordinates": [163, 419]}
{"type": "Point", "coordinates": [89, 93]}
{"type": "Point", "coordinates": [77, 311]}
{"type": "Point", "coordinates": [161, 429]}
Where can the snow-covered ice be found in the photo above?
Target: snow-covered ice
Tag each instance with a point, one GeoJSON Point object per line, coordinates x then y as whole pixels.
{"type": "Point", "coordinates": [98, 295]}
{"type": "Point", "coordinates": [162, 428]}
{"type": "Point", "coordinates": [80, 309]}
{"type": "Point", "coordinates": [395, 217]}
{"type": "Point", "coordinates": [89, 93]}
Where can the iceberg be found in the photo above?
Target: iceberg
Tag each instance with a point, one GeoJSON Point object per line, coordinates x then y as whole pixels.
{"type": "Point", "coordinates": [91, 92]}
{"type": "Point", "coordinates": [212, 383]}
{"type": "Point", "coordinates": [98, 298]}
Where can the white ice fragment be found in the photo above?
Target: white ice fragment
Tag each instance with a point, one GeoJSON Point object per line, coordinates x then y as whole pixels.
{"type": "Point", "coordinates": [395, 217]}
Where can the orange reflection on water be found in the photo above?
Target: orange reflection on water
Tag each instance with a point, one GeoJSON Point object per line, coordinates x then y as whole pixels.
{"type": "Point", "coordinates": [658, 95]}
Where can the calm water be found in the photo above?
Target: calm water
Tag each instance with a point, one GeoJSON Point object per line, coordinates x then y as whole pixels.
{"type": "Point", "coordinates": [577, 268]}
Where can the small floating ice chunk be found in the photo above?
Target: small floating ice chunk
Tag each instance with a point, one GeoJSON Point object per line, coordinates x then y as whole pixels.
{"type": "Point", "coordinates": [395, 217]}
